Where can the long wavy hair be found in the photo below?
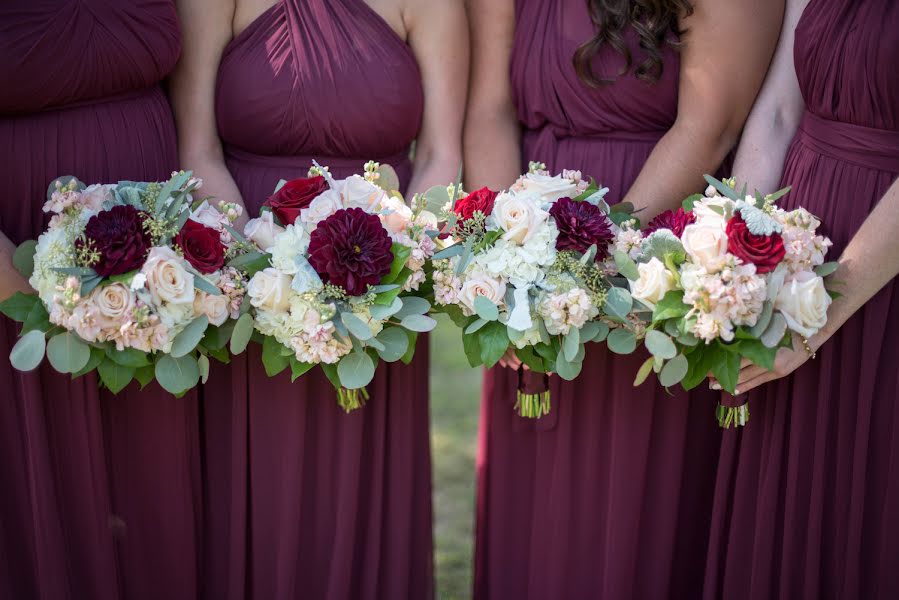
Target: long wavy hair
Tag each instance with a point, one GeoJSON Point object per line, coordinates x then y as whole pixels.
{"type": "Point", "coordinates": [655, 22]}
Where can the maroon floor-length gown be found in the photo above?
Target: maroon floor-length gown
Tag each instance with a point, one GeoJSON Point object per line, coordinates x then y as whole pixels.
{"type": "Point", "coordinates": [609, 495]}
{"type": "Point", "coordinates": [807, 500]}
{"type": "Point", "coordinates": [314, 502]}
{"type": "Point", "coordinates": [100, 493]}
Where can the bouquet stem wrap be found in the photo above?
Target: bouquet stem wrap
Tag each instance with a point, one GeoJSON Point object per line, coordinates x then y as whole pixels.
{"type": "Point", "coordinates": [533, 394]}
{"type": "Point", "coordinates": [732, 411]}
{"type": "Point", "coordinates": [349, 400]}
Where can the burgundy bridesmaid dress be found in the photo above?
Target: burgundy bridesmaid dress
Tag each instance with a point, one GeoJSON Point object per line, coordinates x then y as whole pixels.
{"type": "Point", "coordinates": [306, 500]}
{"type": "Point", "coordinates": [609, 495]}
{"type": "Point", "coordinates": [807, 499]}
{"type": "Point", "coordinates": [100, 493]}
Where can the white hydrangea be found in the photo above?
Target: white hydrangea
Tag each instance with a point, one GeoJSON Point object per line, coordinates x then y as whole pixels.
{"type": "Point", "coordinates": [563, 310]}
{"type": "Point", "coordinates": [289, 245]}
{"type": "Point", "coordinates": [55, 248]}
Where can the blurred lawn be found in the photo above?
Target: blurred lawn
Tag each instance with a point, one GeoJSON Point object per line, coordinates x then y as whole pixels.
{"type": "Point", "coordinates": [455, 400]}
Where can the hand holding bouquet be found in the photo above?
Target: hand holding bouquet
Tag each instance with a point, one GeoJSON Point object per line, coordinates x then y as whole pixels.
{"type": "Point", "coordinates": [727, 277]}
{"type": "Point", "coordinates": [525, 268]}
{"type": "Point", "coordinates": [132, 281]}
{"type": "Point", "coordinates": [341, 265]}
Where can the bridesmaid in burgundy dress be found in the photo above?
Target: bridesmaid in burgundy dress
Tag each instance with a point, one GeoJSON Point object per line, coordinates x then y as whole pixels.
{"type": "Point", "coordinates": [306, 500]}
{"type": "Point", "coordinates": [807, 499]}
{"type": "Point", "coordinates": [609, 495]}
{"type": "Point", "coordinates": [99, 492]}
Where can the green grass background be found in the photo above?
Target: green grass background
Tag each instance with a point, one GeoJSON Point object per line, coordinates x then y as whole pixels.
{"type": "Point", "coordinates": [455, 402]}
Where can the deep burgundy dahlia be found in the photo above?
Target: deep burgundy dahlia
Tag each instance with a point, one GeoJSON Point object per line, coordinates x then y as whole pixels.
{"type": "Point", "coordinates": [676, 221]}
{"type": "Point", "coordinates": [351, 249]}
{"type": "Point", "coordinates": [119, 237]}
{"type": "Point", "coordinates": [581, 225]}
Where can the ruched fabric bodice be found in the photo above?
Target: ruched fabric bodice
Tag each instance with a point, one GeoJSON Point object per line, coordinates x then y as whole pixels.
{"type": "Point", "coordinates": [319, 78]}
{"type": "Point", "coordinates": [58, 53]}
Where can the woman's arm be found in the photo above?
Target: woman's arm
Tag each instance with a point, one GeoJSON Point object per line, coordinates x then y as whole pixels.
{"type": "Point", "coordinates": [207, 28]}
{"type": "Point", "coordinates": [775, 115]}
{"type": "Point", "coordinates": [492, 133]}
{"type": "Point", "coordinates": [869, 262]}
{"type": "Point", "coordinates": [438, 37]}
{"type": "Point", "coordinates": [726, 51]}
{"type": "Point", "coordinates": [10, 280]}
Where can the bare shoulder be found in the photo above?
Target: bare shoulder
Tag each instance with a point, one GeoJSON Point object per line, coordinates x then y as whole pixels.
{"type": "Point", "coordinates": [431, 13]}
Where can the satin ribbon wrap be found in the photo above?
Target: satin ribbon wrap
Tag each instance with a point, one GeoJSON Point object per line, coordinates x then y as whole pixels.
{"type": "Point", "coordinates": [533, 399]}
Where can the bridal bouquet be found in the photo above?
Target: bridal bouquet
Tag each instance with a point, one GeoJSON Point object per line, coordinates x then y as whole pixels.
{"type": "Point", "coordinates": [343, 264]}
{"type": "Point", "coordinates": [131, 281]}
{"type": "Point", "coordinates": [527, 269]}
{"type": "Point", "coordinates": [726, 277]}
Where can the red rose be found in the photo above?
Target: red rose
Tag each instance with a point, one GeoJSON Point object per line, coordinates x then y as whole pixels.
{"type": "Point", "coordinates": [294, 196]}
{"type": "Point", "coordinates": [202, 246]}
{"type": "Point", "coordinates": [764, 251]}
{"type": "Point", "coordinates": [478, 201]}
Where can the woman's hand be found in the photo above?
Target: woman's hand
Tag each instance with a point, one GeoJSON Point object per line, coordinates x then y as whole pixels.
{"type": "Point", "coordinates": [511, 361]}
{"type": "Point", "coordinates": [11, 281]}
{"type": "Point", "coordinates": [787, 361]}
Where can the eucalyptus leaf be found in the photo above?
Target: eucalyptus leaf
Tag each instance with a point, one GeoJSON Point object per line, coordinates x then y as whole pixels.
{"type": "Point", "coordinates": [177, 375]}
{"type": "Point", "coordinates": [622, 341]}
{"type": "Point", "coordinates": [204, 285]}
{"type": "Point", "coordinates": [644, 371]}
{"type": "Point", "coordinates": [567, 370]}
{"type": "Point", "coordinates": [828, 268]}
{"type": "Point", "coordinates": [387, 178]}
{"type": "Point", "coordinates": [775, 331]}
{"type": "Point", "coordinates": [67, 353]}
{"type": "Point", "coordinates": [465, 257]}
{"type": "Point", "coordinates": [475, 325]}
{"type": "Point", "coordinates": [763, 321]}
{"type": "Point", "coordinates": [355, 326]}
{"type": "Point", "coordinates": [660, 345]}
{"type": "Point", "coordinates": [97, 356]}
{"type": "Point", "coordinates": [203, 366]}
{"type": "Point", "coordinates": [28, 352]}
{"type": "Point", "coordinates": [413, 305]}
{"type": "Point", "coordinates": [355, 370]}
{"type": "Point", "coordinates": [243, 331]}
{"type": "Point", "coordinates": [449, 252]}
{"type": "Point", "coordinates": [17, 306]}
{"type": "Point", "coordinates": [626, 265]}
{"type": "Point", "coordinates": [418, 323]}
{"type": "Point", "coordinates": [189, 337]}
{"type": "Point", "coordinates": [486, 309]}
{"type": "Point", "coordinates": [571, 344]}
{"type": "Point", "coordinates": [674, 371]}
{"type": "Point", "coordinates": [618, 303]}
{"type": "Point", "coordinates": [395, 343]}
{"type": "Point", "coordinates": [23, 258]}
{"type": "Point", "coordinates": [724, 189]}
{"type": "Point", "coordinates": [381, 312]}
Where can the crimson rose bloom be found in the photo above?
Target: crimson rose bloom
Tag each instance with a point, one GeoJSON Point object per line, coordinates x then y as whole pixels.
{"type": "Point", "coordinates": [581, 225]}
{"type": "Point", "coordinates": [294, 196]}
{"type": "Point", "coordinates": [202, 246]}
{"type": "Point", "coordinates": [118, 235]}
{"type": "Point", "coordinates": [351, 249]}
{"type": "Point", "coordinates": [676, 221]}
{"type": "Point", "coordinates": [764, 251]}
{"type": "Point", "coordinates": [479, 200]}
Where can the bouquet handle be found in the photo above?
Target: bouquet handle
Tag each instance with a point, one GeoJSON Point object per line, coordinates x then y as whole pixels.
{"type": "Point", "coordinates": [732, 411]}
{"type": "Point", "coordinates": [533, 398]}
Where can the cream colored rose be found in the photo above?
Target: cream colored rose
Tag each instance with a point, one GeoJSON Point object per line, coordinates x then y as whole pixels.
{"type": "Point", "coordinates": [262, 231]}
{"type": "Point", "coordinates": [550, 188]}
{"type": "Point", "coordinates": [216, 308]}
{"type": "Point", "coordinates": [715, 210]}
{"type": "Point", "coordinates": [325, 204]}
{"type": "Point", "coordinates": [519, 216]}
{"type": "Point", "coordinates": [359, 193]}
{"type": "Point", "coordinates": [704, 243]}
{"type": "Point", "coordinates": [167, 279]}
{"type": "Point", "coordinates": [803, 301]}
{"type": "Point", "coordinates": [477, 284]}
{"type": "Point", "coordinates": [113, 304]}
{"type": "Point", "coordinates": [269, 289]}
{"type": "Point", "coordinates": [395, 215]}
{"type": "Point", "coordinates": [655, 281]}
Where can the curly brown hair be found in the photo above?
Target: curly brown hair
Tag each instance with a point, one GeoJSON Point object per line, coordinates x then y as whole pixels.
{"type": "Point", "coordinates": [656, 23]}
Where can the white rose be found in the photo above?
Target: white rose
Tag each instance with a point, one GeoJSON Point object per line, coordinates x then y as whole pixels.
{"type": "Point", "coordinates": [167, 279]}
{"type": "Point", "coordinates": [289, 247]}
{"type": "Point", "coordinates": [113, 303]}
{"type": "Point", "coordinates": [713, 211]}
{"type": "Point", "coordinates": [704, 243]}
{"type": "Point", "coordinates": [803, 301]}
{"type": "Point", "coordinates": [550, 188]}
{"type": "Point", "coordinates": [359, 193]}
{"type": "Point", "coordinates": [519, 215]}
{"type": "Point", "coordinates": [262, 231]}
{"type": "Point", "coordinates": [480, 284]}
{"type": "Point", "coordinates": [655, 281]}
{"type": "Point", "coordinates": [325, 204]}
{"type": "Point", "coordinates": [395, 215]}
{"type": "Point", "coordinates": [270, 290]}
{"type": "Point", "coordinates": [216, 308]}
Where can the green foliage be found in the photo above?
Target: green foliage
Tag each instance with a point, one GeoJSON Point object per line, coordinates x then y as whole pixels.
{"type": "Point", "coordinates": [177, 375]}
{"type": "Point", "coordinates": [19, 305]}
{"type": "Point", "coordinates": [671, 306]}
{"type": "Point", "coordinates": [28, 352]}
{"type": "Point", "coordinates": [273, 360]}
{"type": "Point", "coordinates": [660, 345]}
{"type": "Point", "coordinates": [622, 341]}
{"type": "Point", "coordinates": [23, 258]}
{"type": "Point", "coordinates": [674, 371]}
{"type": "Point", "coordinates": [189, 337]}
{"type": "Point", "coordinates": [243, 331]}
{"type": "Point", "coordinates": [355, 370]}
{"type": "Point", "coordinates": [493, 342]}
{"type": "Point", "coordinates": [67, 353]}
{"type": "Point", "coordinates": [114, 376]}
